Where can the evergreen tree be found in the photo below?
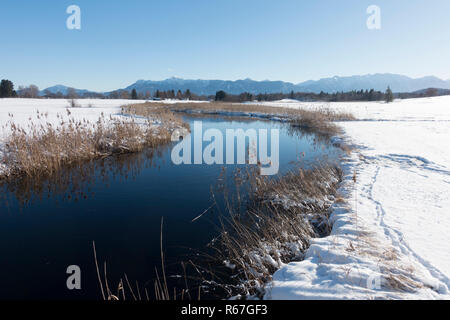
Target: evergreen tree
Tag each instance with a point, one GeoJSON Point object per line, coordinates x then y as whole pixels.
{"type": "Point", "coordinates": [389, 96]}
{"type": "Point", "coordinates": [134, 95]}
{"type": "Point", "coordinates": [7, 89]}
{"type": "Point", "coordinates": [371, 95]}
{"type": "Point", "coordinates": [220, 95]}
{"type": "Point", "coordinates": [187, 94]}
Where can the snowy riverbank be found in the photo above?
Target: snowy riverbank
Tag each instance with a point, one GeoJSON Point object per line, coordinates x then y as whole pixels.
{"type": "Point", "coordinates": [390, 240]}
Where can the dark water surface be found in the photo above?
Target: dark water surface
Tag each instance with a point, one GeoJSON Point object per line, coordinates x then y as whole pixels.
{"type": "Point", "coordinates": [118, 202]}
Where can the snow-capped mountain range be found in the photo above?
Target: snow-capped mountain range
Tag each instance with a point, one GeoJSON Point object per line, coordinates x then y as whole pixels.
{"type": "Point", "coordinates": [398, 83]}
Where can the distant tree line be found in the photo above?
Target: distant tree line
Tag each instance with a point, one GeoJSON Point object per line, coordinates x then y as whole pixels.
{"type": "Point", "coordinates": [32, 91]}
{"type": "Point", "coordinates": [158, 94]}
{"type": "Point", "coordinates": [430, 92]}
{"type": "Point", "coordinates": [361, 95]}
{"type": "Point", "coordinates": [186, 95]}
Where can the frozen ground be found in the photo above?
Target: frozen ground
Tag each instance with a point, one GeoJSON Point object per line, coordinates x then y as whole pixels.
{"type": "Point", "coordinates": [391, 239]}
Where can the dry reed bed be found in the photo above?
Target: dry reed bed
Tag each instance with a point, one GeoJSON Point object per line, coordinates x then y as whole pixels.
{"type": "Point", "coordinates": [319, 119]}
{"type": "Point", "coordinates": [46, 148]}
{"type": "Point", "coordinates": [282, 216]}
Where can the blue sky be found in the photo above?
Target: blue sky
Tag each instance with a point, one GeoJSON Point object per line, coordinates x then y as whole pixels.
{"type": "Point", "coordinates": [291, 40]}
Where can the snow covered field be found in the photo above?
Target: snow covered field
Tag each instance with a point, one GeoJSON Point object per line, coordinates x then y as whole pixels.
{"type": "Point", "coordinates": [391, 240]}
{"type": "Point", "coordinates": [25, 111]}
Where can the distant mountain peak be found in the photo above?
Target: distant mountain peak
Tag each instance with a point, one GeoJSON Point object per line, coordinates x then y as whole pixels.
{"type": "Point", "coordinates": [59, 88]}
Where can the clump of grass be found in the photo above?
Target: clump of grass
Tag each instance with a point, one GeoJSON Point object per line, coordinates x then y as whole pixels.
{"type": "Point", "coordinates": [159, 113]}
{"type": "Point", "coordinates": [46, 148]}
{"type": "Point", "coordinates": [282, 216]}
{"type": "Point", "coordinates": [321, 121]}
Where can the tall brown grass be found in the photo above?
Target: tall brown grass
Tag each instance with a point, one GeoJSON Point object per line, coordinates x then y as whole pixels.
{"type": "Point", "coordinates": [319, 119]}
{"type": "Point", "coordinates": [45, 148]}
{"type": "Point", "coordinates": [282, 216]}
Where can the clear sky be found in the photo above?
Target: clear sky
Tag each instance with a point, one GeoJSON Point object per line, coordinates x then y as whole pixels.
{"type": "Point", "coordinates": [291, 40]}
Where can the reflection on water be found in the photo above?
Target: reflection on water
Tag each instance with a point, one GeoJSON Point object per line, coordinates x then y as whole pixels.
{"type": "Point", "coordinates": [49, 223]}
{"type": "Point", "coordinates": [73, 183]}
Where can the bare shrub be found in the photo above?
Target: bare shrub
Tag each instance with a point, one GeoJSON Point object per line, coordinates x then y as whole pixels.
{"type": "Point", "coordinates": [73, 103]}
